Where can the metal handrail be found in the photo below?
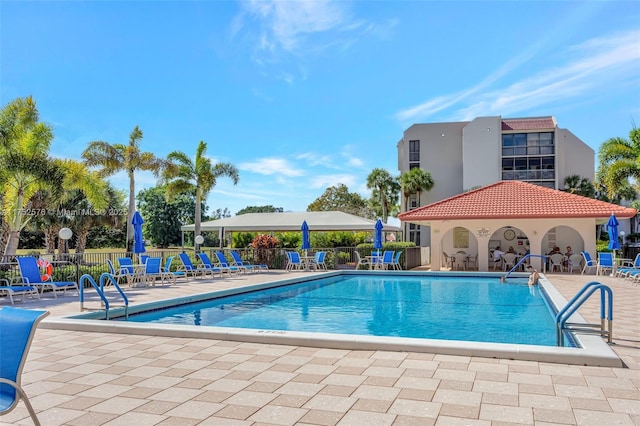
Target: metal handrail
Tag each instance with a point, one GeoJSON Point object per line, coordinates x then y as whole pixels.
{"type": "Point", "coordinates": [100, 291]}
{"type": "Point", "coordinates": [524, 258]}
{"type": "Point", "coordinates": [572, 306]}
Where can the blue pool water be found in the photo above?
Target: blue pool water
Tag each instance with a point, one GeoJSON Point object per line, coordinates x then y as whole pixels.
{"type": "Point", "coordinates": [480, 309]}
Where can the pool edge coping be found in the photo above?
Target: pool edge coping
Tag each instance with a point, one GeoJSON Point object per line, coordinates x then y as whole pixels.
{"type": "Point", "coordinates": [594, 351]}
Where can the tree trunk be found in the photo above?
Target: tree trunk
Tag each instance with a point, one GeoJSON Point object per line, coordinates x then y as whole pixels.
{"type": "Point", "coordinates": [12, 243]}
{"type": "Point", "coordinates": [132, 209]}
{"type": "Point", "coordinates": [50, 238]}
{"type": "Point", "coordinates": [81, 239]}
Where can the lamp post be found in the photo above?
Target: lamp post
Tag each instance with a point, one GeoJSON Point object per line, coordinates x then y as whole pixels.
{"type": "Point", "coordinates": [65, 235]}
{"type": "Point", "coordinates": [199, 240]}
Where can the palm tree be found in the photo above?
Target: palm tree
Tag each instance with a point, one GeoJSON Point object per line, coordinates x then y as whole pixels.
{"type": "Point", "coordinates": [113, 158]}
{"type": "Point", "coordinates": [574, 184]}
{"type": "Point", "coordinates": [619, 161]}
{"type": "Point", "coordinates": [386, 188]}
{"type": "Point", "coordinates": [415, 181]}
{"type": "Point", "coordinates": [183, 175]}
{"type": "Point", "coordinates": [25, 165]}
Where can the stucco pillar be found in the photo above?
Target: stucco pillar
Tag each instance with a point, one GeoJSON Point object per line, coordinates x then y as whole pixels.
{"type": "Point", "coordinates": [436, 247]}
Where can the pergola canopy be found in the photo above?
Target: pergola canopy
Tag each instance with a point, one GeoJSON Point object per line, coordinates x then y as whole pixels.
{"type": "Point", "coordinates": [290, 221]}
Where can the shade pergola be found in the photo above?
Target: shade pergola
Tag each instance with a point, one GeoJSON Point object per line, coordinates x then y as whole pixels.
{"type": "Point", "coordinates": [290, 221]}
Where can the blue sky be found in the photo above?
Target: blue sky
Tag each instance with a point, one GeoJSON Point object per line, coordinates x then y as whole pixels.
{"type": "Point", "coordinates": [304, 95]}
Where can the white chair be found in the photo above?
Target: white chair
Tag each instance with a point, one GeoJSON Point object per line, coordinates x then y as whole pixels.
{"type": "Point", "coordinates": [446, 261]}
{"type": "Point", "coordinates": [460, 260]}
{"type": "Point", "coordinates": [575, 262]}
{"type": "Point", "coordinates": [557, 262]}
{"type": "Point", "coordinates": [508, 261]}
{"type": "Point", "coordinates": [472, 262]}
{"type": "Point", "coordinates": [360, 260]}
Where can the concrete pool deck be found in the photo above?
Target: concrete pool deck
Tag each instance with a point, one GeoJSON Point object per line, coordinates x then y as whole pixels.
{"type": "Point", "coordinates": [89, 378]}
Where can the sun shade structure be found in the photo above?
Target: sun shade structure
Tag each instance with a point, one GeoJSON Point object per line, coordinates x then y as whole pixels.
{"type": "Point", "coordinates": [290, 221]}
{"type": "Point", "coordinates": [532, 210]}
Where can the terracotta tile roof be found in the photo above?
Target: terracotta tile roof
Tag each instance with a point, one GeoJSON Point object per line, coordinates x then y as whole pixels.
{"type": "Point", "coordinates": [515, 199]}
{"type": "Point", "coordinates": [529, 123]}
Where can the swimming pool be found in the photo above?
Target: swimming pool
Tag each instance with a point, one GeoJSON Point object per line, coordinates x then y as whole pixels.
{"type": "Point", "coordinates": [425, 307]}
{"type": "Point", "coordinates": [590, 350]}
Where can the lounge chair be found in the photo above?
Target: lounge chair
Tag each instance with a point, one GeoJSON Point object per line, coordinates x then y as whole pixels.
{"type": "Point", "coordinates": [31, 276]}
{"type": "Point", "coordinates": [17, 327]}
{"type": "Point", "coordinates": [224, 264]}
{"type": "Point", "coordinates": [239, 262]}
{"type": "Point", "coordinates": [208, 265]}
{"type": "Point", "coordinates": [12, 291]}
{"type": "Point", "coordinates": [174, 274]}
{"type": "Point", "coordinates": [190, 270]}
{"type": "Point", "coordinates": [625, 270]}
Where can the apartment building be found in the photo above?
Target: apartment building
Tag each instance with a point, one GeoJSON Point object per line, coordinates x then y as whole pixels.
{"type": "Point", "coordinates": [465, 155]}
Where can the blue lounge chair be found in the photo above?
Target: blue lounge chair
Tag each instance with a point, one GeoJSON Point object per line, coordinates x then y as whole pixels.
{"type": "Point", "coordinates": [17, 327]}
{"type": "Point", "coordinates": [633, 267]}
{"type": "Point", "coordinates": [175, 274]}
{"type": "Point", "coordinates": [190, 269]}
{"type": "Point", "coordinates": [12, 291]}
{"type": "Point", "coordinates": [31, 276]}
{"type": "Point", "coordinates": [588, 263]}
{"type": "Point", "coordinates": [239, 262]}
{"type": "Point", "coordinates": [223, 264]}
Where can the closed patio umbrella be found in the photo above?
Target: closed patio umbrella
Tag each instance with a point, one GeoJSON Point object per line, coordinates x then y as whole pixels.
{"type": "Point", "coordinates": [377, 241]}
{"type": "Point", "coordinates": [306, 244]}
{"type": "Point", "coordinates": [612, 229]}
{"type": "Point", "coordinates": [138, 240]}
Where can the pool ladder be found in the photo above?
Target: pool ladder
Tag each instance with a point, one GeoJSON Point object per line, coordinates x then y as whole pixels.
{"type": "Point", "coordinates": [572, 306]}
{"type": "Point", "coordinates": [100, 290]}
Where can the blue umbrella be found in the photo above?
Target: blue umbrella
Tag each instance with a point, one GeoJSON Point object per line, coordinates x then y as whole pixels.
{"type": "Point", "coordinates": [138, 241]}
{"type": "Point", "coordinates": [377, 242]}
{"type": "Point", "coordinates": [612, 228]}
{"type": "Point", "coordinates": [306, 245]}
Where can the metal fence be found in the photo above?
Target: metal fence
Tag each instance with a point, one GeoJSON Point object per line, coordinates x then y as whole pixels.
{"type": "Point", "coordinates": [73, 266]}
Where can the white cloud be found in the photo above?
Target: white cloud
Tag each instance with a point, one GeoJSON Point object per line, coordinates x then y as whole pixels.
{"type": "Point", "coordinates": [271, 166]}
{"type": "Point", "coordinates": [285, 23]}
{"type": "Point", "coordinates": [595, 65]}
{"type": "Point", "coordinates": [325, 181]}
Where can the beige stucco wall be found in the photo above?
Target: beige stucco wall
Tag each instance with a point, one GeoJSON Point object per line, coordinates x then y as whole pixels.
{"type": "Point", "coordinates": [482, 231]}
{"type": "Point", "coordinates": [481, 152]}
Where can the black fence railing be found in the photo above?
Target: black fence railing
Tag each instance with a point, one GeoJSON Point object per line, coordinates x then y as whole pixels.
{"type": "Point", "coordinates": [73, 266]}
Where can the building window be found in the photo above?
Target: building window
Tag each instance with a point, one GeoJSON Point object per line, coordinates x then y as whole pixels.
{"type": "Point", "coordinates": [414, 233]}
{"type": "Point", "coordinates": [413, 201]}
{"type": "Point", "coordinates": [414, 154]}
{"type": "Point", "coordinates": [529, 157]}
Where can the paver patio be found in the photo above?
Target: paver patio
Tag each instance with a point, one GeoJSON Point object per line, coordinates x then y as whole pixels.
{"type": "Point", "coordinates": [84, 378]}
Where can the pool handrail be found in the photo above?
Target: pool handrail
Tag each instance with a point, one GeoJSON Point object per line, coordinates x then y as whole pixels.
{"type": "Point", "coordinates": [572, 306]}
{"type": "Point", "coordinates": [100, 290]}
{"type": "Point", "coordinates": [524, 258]}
